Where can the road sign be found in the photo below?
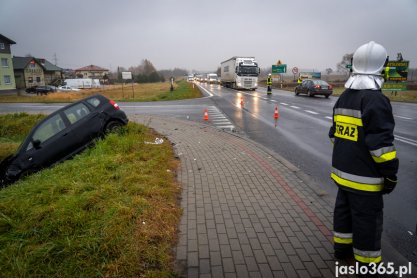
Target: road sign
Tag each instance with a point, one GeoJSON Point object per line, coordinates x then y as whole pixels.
{"type": "Point", "coordinates": [398, 70]}
{"type": "Point", "coordinates": [395, 86]}
{"type": "Point", "coordinates": [279, 68]}
{"type": "Point", "coordinates": [126, 75]}
{"type": "Point", "coordinates": [348, 66]}
{"type": "Point", "coordinates": [294, 70]}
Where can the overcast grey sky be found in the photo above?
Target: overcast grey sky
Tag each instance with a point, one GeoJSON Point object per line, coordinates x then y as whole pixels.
{"type": "Point", "coordinates": [194, 34]}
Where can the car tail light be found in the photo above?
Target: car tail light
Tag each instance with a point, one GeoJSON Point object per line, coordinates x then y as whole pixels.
{"type": "Point", "coordinates": [115, 105]}
{"type": "Point", "coordinates": [330, 87]}
{"type": "Point", "coordinates": [317, 86]}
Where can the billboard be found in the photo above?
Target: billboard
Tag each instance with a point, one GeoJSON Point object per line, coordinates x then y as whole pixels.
{"type": "Point", "coordinates": [395, 86]}
{"type": "Point", "coordinates": [398, 71]}
{"type": "Point", "coordinates": [309, 75]}
{"type": "Point", "coordinates": [126, 75]}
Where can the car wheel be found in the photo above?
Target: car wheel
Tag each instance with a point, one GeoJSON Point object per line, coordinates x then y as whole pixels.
{"type": "Point", "coordinates": [112, 126]}
{"type": "Point", "coordinates": [327, 96]}
{"type": "Point", "coordinates": [309, 93]}
{"type": "Point", "coordinates": [296, 92]}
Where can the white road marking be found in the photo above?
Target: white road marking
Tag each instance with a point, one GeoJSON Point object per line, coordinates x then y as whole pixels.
{"type": "Point", "coordinates": [406, 140]}
{"type": "Point", "coordinates": [401, 117]}
{"type": "Point", "coordinates": [283, 103]}
{"type": "Point", "coordinates": [295, 107]}
{"type": "Point", "coordinates": [311, 112]}
{"type": "Point", "coordinates": [328, 117]}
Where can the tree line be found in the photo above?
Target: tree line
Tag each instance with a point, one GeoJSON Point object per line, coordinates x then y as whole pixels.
{"type": "Point", "coordinates": [146, 72]}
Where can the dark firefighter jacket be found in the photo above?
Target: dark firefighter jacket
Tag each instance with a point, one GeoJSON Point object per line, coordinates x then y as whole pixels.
{"type": "Point", "coordinates": [269, 81]}
{"type": "Point", "coordinates": [363, 135]}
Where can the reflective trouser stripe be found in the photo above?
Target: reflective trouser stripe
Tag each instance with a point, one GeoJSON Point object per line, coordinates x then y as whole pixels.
{"type": "Point", "coordinates": [356, 185]}
{"type": "Point", "coordinates": [384, 154]}
{"type": "Point", "coordinates": [367, 256]}
{"type": "Point", "coordinates": [342, 238]}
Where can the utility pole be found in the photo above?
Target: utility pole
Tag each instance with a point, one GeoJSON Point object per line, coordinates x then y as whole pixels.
{"type": "Point", "coordinates": [55, 59]}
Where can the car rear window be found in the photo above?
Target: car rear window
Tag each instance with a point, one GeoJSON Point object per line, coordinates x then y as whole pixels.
{"type": "Point", "coordinates": [76, 112]}
{"type": "Point", "coordinates": [94, 101]}
{"type": "Point", "coordinates": [321, 82]}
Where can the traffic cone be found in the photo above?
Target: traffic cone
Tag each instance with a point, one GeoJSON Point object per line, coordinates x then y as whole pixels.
{"type": "Point", "coordinates": [276, 113]}
{"type": "Point", "coordinates": [242, 103]}
{"type": "Point", "coordinates": [205, 115]}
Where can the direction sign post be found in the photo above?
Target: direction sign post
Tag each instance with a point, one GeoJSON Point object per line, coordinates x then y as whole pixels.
{"type": "Point", "coordinates": [279, 68]}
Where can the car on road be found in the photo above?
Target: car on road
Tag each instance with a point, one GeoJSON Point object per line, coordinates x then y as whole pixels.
{"type": "Point", "coordinates": [313, 87]}
{"type": "Point", "coordinates": [61, 135]}
{"type": "Point", "coordinates": [67, 89]}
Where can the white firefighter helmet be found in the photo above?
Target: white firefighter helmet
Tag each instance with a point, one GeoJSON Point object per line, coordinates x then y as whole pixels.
{"type": "Point", "coordinates": [369, 58]}
{"type": "Point", "coordinates": [269, 74]}
{"type": "Point", "coordinates": [368, 62]}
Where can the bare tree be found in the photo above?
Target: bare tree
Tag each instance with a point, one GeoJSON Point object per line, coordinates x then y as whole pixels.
{"type": "Point", "coordinates": [329, 71]}
{"type": "Point", "coordinates": [346, 60]}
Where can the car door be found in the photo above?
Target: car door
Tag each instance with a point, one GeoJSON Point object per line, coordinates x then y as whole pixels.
{"type": "Point", "coordinates": [49, 143]}
{"type": "Point", "coordinates": [86, 123]}
{"type": "Point", "coordinates": [303, 87]}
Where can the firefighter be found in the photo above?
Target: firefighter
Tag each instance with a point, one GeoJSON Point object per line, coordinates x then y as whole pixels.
{"type": "Point", "coordinates": [269, 83]}
{"type": "Point", "coordinates": [364, 162]}
{"type": "Point", "coordinates": [299, 81]}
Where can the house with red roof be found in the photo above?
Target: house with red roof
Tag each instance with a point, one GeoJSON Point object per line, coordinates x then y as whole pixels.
{"type": "Point", "coordinates": [91, 71]}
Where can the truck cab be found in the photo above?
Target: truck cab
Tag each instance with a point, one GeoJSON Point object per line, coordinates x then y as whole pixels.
{"type": "Point", "coordinates": [240, 73]}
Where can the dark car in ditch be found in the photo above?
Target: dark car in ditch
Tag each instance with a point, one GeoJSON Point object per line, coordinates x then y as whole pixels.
{"type": "Point", "coordinates": [313, 87]}
{"type": "Point", "coordinates": [61, 135]}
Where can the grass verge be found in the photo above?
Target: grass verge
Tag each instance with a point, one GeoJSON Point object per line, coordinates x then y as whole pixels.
{"type": "Point", "coordinates": [137, 92]}
{"type": "Point", "coordinates": [111, 211]}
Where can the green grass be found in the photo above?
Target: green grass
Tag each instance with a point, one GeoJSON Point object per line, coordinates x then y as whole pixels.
{"type": "Point", "coordinates": [13, 129]}
{"type": "Point", "coordinates": [112, 211]}
{"type": "Point", "coordinates": [139, 92]}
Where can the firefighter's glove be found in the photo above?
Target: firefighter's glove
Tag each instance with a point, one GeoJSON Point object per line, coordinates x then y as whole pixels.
{"type": "Point", "coordinates": [389, 184]}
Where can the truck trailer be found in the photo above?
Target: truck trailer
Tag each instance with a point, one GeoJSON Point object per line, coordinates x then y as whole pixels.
{"type": "Point", "coordinates": [82, 83]}
{"type": "Point", "coordinates": [240, 72]}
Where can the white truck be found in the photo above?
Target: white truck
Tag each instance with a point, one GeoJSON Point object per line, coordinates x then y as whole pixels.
{"type": "Point", "coordinates": [240, 72]}
{"type": "Point", "coordinates": [82, 83]}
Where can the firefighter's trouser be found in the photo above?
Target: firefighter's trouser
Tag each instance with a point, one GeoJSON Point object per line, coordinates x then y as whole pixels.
{"type": "Point", "coordinates": [358, 225]}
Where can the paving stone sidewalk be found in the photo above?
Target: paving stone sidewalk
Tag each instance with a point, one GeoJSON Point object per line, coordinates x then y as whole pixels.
{"type": "Point", "coordinates": [246, 212]}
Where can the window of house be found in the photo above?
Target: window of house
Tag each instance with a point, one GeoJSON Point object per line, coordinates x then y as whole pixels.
{"type": "Point", "coordinates": [4, 63]}
{"type": "Point", "coordinates": [38, 79]}
{"type": "Point", "coordinates": [30, 79]}
{"type": "Point", "coordinates": [32, 65]}
{"type": "Point", "coordinates": [2, 45]}
{"type": "Point", "coordinates": [7, 80]}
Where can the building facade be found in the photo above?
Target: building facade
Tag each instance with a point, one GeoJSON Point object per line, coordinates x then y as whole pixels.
{"type": "Point", "coordinates": [7, 80]}
{"type": "Point", "coordinates": [30, 71]}
{"type": "Point", "coordinates": [92, 71]}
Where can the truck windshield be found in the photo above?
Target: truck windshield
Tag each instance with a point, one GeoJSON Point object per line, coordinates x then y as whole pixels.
{"type": "Point", "coordinates": [248, 71]}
